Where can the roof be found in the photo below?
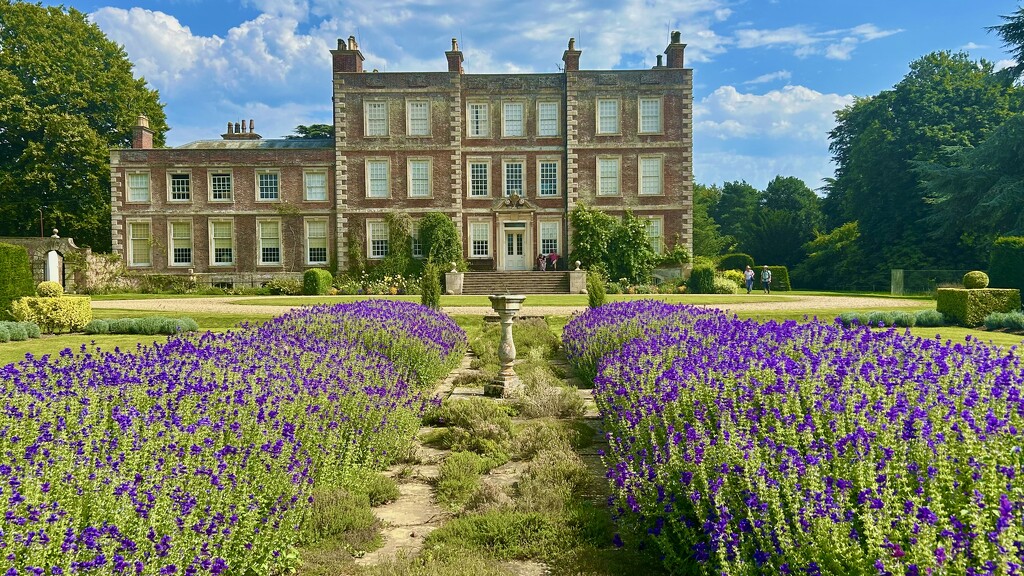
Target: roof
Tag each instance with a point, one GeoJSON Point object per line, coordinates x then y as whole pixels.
{"type": "Point", "coordinates": [260, 144]}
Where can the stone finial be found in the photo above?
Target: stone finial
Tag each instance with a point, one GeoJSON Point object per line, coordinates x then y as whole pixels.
{"type": "Point", "coordinates": [455, 267]}
{"type": "Point", "coordinates": [55, 234]}
{"type": "Point", "coordinates": [578, 265]}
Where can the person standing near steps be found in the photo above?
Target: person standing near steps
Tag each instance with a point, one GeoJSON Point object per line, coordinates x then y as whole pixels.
{"type": "Point", "coordinates": [766, 279]}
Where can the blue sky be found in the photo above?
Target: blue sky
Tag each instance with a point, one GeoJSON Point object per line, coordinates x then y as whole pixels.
{"type": "Point", "coordinates": [768, 74]}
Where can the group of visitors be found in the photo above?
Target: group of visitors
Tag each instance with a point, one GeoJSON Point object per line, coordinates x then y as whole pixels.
{"type": "Point", "coordinates": [545, 262]}
{"type": "Point", "coordinates": [766, 279]}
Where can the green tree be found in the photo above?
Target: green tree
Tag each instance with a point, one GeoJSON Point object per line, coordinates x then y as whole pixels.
{"type": "Point", "coordinates": [708, 240]}
{"type": "Point", "coordinates": [67, 94]}
{"type": "Point", "coordinates": [1012, 33]}
{"type": "Point", "coordinates": [977, 194]}
{"type": "Point", "coordinates": [787, 216]}
{"type": "Point", "coordinates": [735, 209]}
{"type": "Point", "coordinates": [945, 100]}
{"type": "Point", "coordinates": [833, 260]}
{"type": "Point", "coordinates": [591, 233]}
{"type": "Point", "coordinates": [630, 254]}
{"type": "Point", "coordinates": [441, 242]}
{"type": "Point", "coordinates": [312, 132]}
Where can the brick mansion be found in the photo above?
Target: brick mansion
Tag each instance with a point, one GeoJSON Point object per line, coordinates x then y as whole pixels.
{"type": "Point", "coordinates": [506, 156]}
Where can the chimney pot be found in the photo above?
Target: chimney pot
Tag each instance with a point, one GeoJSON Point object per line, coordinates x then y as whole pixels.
{"type": "Point", "coordinates": [229, 128]}
{"type": "Point", "coordinates": [455, 45]}
{"type": "Point", "coordinates": [659, 65]}
{"type": "Point", "coordinates": [238, 129]}
{"type": "Point", "coordinates": [572, 43]}
{"type": "Point", "coordinates": [675, 37]}
{"type": "Point", "coordinates": [252, 126]}
{"type": "Point", "coordinates": [675, 52]}
{"type": "Point", "coordinates": [352, 43]}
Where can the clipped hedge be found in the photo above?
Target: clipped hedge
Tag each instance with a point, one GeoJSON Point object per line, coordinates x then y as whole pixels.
{"type": "Point", "coordinates": [970, 307]}
{"type": "Point", "coordinates": [975, 279]}
{"type": "Point", "coordinates": [16, 280]}
{"type": "Point", "coordinates": [780, 278]}
{"type": "Point", "coordinates": [54, 315]}
{"type": "Point", "coordinates": [316, 282]}
{"type": "Point", "coordinates": [702, 280]}
{"type": "Point", "coordinates": [148, 325]}
{"type": "Point", "coordinates": [1006, 264]}
{"type": "Point", "coordinates": [49, 289]}
{"type": "Point", "coordinates": [737, 261]}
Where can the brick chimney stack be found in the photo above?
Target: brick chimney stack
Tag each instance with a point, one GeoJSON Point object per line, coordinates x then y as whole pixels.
{"type": "Point", "coordinates": [142, 136]}
{"type": "Point", "coordinates": [571, 57]}
{"type": "Point", "coordinates": [347, 58]}
{"type": "Point", "coordinates": [454, 57]}
{"type": "Point", "coordinates": [675, 51]}
{"type": "Point", "coordinates": [237, 131]}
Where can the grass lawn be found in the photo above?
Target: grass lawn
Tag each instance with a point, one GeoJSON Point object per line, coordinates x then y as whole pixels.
{"type": "Point", "coordinates": [532, 300]}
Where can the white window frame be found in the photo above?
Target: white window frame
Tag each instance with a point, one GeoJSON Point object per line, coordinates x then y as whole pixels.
{"type": "Point", "coordinates": [260, 239]}
{"type": "Point", "coordinates": [147, 195]}
{"type": "Point", "coordinates": [171, 246]}
{"type": "Point", "coordinates": [415, 240]}
{"type": "Point", "coordinates": [258, 177]}
{"type": "Point", "coordinates": [617, 160]}
{"type": "Point", "coordinates": [541, 132]}
{"type": "Point", "coordinates": [475, 235]}
{"type": "Point", "coordinates": [213, 242]}
{"type": "Point", "coordinates": [487, 177]}
{"type": "Point", "coordinates": [616, 105]}
{"type": "Point", "coordinates": [659, 117]}
{"type": "Point", "coordinates": [650, 223]}
{"type": "Point", "coordinates": [306, 187]}
{"type": "Point", "coordinates": [376, 127]}
{"type": "Point", "coordinates": [540, 177]}
{"type": "Point", "coordinates": [132, 229]}
{"type": "Point", "coordinates": [509, 110]}
{"type": "Point", "coordinates": [549, 225]}
{"type": "Point", "coordinates": [483, 128]}
{"type": "Point", "coordinates": [170, 187]}
{"type": "Point", "coordinates": [412, 121]}
{"type": "Point", "coordinates": [410, 181]}
{"type": "Point", "coordinates": [642, 177]}
{"type": "Point", "coordinates": [231, 185]}
{"type": "Point", "coordinates": [387, 178]}
{"type": "Point", "coordinates": [378, 224]}
{"type": "Point", "coordinates": [309, 244]}
{"type": "Point", "coordinates": [504, 176]}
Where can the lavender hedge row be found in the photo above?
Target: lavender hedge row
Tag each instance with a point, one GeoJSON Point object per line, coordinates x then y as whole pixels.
{"type": "Point", "coordinates": [747, 448]}
{"type": "Point", "coordinates": [199, 456]}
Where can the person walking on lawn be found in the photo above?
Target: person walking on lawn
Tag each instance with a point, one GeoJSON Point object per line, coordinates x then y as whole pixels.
{"type": "Point", "coordinates": [766, 279]}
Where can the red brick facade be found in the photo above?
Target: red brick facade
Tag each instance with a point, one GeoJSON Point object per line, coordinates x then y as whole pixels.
{"type": "Point", "coordinates": [507, 156]}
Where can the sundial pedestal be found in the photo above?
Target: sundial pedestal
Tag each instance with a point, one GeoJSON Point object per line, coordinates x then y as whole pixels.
{"type": "Point", "coordinates": [506, 383]}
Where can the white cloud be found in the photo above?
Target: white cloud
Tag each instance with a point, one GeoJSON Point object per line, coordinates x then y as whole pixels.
{"type": "Point", "coordinates": [973, 46]}
{"type": "Point", "coordinates": [833, 44]}
{"type": "Point", "coordinates": [719, 166]}
{"type": "Point", "coordinates": [771, 77]}
{"type": "Point", "coordinates": [1003, 64]}
{"type": "Point", "coordinates": [794, 112]}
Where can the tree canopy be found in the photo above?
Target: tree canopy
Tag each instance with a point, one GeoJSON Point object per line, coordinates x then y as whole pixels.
{"type": "Point", "coordinates": [312, 132]}
{"type": "Point", "coordinates": [67, 95]}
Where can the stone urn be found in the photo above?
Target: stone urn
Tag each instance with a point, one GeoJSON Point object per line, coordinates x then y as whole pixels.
{"type": "Point", "coordinates": [506, 383]}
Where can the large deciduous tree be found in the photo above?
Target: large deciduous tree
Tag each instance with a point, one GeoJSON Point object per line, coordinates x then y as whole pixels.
{"type": "Point", "coordinates": [788, 214]}
{"type": "Point", "coordinates": [708, 240]}
{"type": "Point", "coordinates": [67, 95]}
{"type": "Point", "coordinates": [945, 100]}
{"type": "Point", "coordinates": [735, 209]}
{"type": "Point", "coordinates": [312, 132]}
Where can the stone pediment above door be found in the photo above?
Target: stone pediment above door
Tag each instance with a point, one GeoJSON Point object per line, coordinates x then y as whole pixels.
{"type": "Point", "coordinates": [513, 204]}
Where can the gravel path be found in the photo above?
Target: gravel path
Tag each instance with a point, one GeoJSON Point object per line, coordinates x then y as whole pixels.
{"type": "Point", "coordinates": [226, 305]}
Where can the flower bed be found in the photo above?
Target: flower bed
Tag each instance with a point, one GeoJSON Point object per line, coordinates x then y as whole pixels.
{"type": "Point", "coordinates": [199, 456]}
{"type": "Point", "coordinates": [747, 448]}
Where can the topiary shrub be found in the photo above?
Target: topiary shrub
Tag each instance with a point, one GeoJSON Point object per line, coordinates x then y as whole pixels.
{"type": "Point", "coordinates": [16, 280]}
{"type": "Point", "coordinates": [97, 327]}
{"type": "Point", "coordinates": [316, 282]}
{"type": "Point", "coordinates": [54, 315]}
{"type": "Point", "coordinates": [702, 280]}
{"type": "Point", "coordinates": [124, 326]}
{"type": "Point", "coordinates": [930, 318]}
{"type": "Point", "coordinates": [17, 331]}
{"type": "Point", "coordinates": [737, 261]}
{"type": "Point", "coordinates": [1009, 320]}
{"type": "Point", "coordinates": [595, 289]}
{"type": "Point", "coordinates": [31, 328]}
{"type": "Point", "coordinates": [904, 319]}
{"type": "Point", "coordinates": [882, 318]}
{"type": "Point", "coordinates": [5, 334]}
{"type": "Point", "coordinates": [735, 276]}
{"type": "Point", "coordinates": [722, 285]}
{"type": "Point", "coordinates": [975, 280]}
{"type": "Point", "coordinates": [1006, 264]}
{"type": "Point", "coordinates": [431, 286]}
{"type": "Point", "coordinates": [49, 289]}
{"type": "Point", "coordinates": [780, 278]}
{"type": "Point", "coordinates": [970, 307]}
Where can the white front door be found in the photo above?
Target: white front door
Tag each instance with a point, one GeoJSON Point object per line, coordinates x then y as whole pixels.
{"type": "Point", "coordinates": [515, 253]}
